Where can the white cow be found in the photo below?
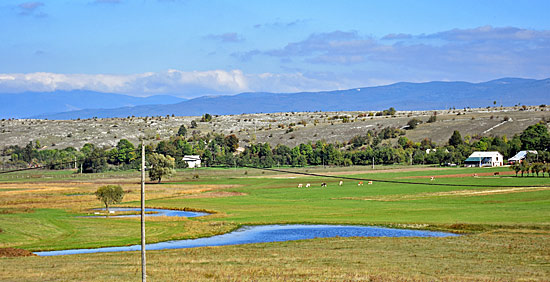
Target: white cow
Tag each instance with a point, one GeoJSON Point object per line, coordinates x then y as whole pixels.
{"type": "Point", "coordinates": [300, 185]}
{"type": "Point", "coordinates": [307, 185]}
{"type": "Point", "coordinates": [341, 183]}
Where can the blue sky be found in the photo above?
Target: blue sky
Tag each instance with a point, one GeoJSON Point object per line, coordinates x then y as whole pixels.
{"type": "Point", "coordinates": [191, 48]}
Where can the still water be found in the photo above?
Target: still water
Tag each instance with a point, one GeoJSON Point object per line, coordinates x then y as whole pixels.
{"type": "Point", "coordinates": [154, 212]}
{"type": "Point", "coordinates": [265, 234]}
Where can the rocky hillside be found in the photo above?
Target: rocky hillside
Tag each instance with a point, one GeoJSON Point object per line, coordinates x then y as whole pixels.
{"type": "Point", "coordinates": [276, 128]}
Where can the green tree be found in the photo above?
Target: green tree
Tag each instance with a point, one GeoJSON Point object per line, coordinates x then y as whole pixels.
{"type": "Point", "coordinates": [161, 166]}
{"type": "Point", "coordinates": [413, 123]}
{"type": "Point", "coordinates": [182, 131]}
{"type": "Point", "coordinates": [109, 194]}
{"type": "Point", "coordinates": [125, 151]}
{"type": "Point", "coordinates": [535, 137]}
{"type": "Point", "coordinates": [232, 142]}
{"type": "Point", "coordinates": [206, 118]}
{"type": "Point", "coordinates": [537, 167]}
{"type": "Point", "coordinates": [95, 161]}
{"type": "Point", "coordinates": [516, 167]}
{"type": "Point", "coordinates": [546, 168]}
{"type": "Point", "coordinates": [456, 139]}
{"type": "Point", "coordinates": [524, 167]}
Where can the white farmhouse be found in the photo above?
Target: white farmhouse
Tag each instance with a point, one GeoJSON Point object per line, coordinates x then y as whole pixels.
{"type": "Point", "coordinates": [192, 160]}
{"type": "Point", "coordinates": [484, 159]}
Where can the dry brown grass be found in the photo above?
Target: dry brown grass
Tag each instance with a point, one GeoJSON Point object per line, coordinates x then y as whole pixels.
{"type": "Point", "coordinates": [79, 196]}
{"type": "Point", "coordinates": [501, 255]}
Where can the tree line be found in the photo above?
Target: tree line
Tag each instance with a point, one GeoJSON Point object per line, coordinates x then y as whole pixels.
{"type": "Point", "coordinates": [385, 146]}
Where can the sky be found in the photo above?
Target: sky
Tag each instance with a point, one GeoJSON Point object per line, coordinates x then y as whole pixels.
{"type": "Point", "coordinates": [191, 48]}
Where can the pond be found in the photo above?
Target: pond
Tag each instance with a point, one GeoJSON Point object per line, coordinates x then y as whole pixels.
{"type": "Point", "coordinates": [154, 212]}
{"type": "Point", "coordinates": [265, 234]}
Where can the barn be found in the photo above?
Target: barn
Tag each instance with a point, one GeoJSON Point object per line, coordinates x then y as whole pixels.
{"type": "Point", "coordinates": [520, 156]}
{"type": "Point", "coordinates": [481, 159]}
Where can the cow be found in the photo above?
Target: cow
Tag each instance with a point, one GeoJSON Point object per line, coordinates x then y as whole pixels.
{"type": "Point", "coordinates": [496, 174]}
{"type": "Point", "coordinates": [300, 185]}
{"type": "Point", "coordinates": [323, 184]}
{"type": "Point", "coordinates": [369, 183]}
{"type": "Point", "coordinates": [432, 178]}
{"type": "Point", "coordinates": [360, 183]}
{"type": "Point", "coordinates": [307, 185]}
{"type": "Point", "coordinates": [341, 183]}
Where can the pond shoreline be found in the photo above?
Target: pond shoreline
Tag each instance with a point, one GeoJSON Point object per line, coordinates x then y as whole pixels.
{"type": "Point", "coordinates": [266, 234]}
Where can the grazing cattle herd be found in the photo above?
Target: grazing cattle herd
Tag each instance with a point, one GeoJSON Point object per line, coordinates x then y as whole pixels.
{"type": "Point", "coordinates": [324, 184]}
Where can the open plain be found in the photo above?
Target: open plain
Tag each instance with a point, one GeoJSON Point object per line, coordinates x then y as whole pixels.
{"type": "Point", "coordinates": [505, 234]}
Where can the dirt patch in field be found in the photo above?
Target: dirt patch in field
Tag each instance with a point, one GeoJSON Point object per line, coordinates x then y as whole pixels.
{"type": "Point", "coordinates": [463, 175]}
{"type": "Point", "coordinates": [12, 252]}
{"type": "Point", "coordinates": [490, 192]}
{"type": "Point", "coordinates": [393, 198]}
{"type": "Point", "coordinates": [220, 194]}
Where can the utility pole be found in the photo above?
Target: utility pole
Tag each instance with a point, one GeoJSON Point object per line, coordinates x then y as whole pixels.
{"type": "Point", "coordinates": [143, 263]}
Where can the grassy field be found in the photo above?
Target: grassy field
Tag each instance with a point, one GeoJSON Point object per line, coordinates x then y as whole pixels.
{"type": "Point", "coordinates": [505, 219]}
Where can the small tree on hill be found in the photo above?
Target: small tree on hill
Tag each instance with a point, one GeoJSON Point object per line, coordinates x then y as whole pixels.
{"type": "Point", "coordinates": [161, 166]}
{"type": "Point", "coordinates": [456, 139]}
{"type": "Point", "coordinates": [182, 131]}
{"type": "Point", "coordinates": [109, 194]}
{"type": "Point", "coordinates": [232, 142]}
{"type": "Point", "coordinates": [413, 123]}
{"type": "Point", "coordinates": [206, 118]}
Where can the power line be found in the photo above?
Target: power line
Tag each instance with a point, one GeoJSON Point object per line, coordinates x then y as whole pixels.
{"type": "Point", "coordinates": [388, 181]}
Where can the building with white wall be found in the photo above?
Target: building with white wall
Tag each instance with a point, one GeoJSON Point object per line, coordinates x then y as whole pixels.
{"type": "Point", "coordinates": [481, 159]}
{"type": "Point", "coordinates": [192, 160]}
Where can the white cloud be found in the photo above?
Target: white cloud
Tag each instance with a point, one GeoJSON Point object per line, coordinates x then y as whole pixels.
{"type": "Point", "coordinates": [173, 82]}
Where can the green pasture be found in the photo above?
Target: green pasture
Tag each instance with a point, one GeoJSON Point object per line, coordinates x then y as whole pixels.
{"type": "Point", "coordinates": [266, 198]}
{"type": "Point", "coordinates": [273, 200]}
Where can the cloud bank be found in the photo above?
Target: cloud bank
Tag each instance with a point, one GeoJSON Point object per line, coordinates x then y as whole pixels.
{"type": "Point", "coordinates": [327, 61]}
{"type": "Point", "coordinates": [457, 54]}
{"type": "Point", "coordinates": [174, 82]}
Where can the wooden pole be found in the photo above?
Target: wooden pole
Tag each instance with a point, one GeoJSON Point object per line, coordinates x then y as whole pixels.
{"type": "Point", "coordinates": [143, 262]}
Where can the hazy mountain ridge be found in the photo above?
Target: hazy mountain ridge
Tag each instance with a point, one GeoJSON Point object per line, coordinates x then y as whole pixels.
{"type": "Point", "coordinates": [27, 104]}
{"type": "Point", "coordinates": [402, 96]}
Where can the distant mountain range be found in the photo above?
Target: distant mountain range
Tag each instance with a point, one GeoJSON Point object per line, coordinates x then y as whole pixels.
{"type": "Point", "coordinates": [402, 96]}
{"type": "Point", "coordinates": [29, 104]}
